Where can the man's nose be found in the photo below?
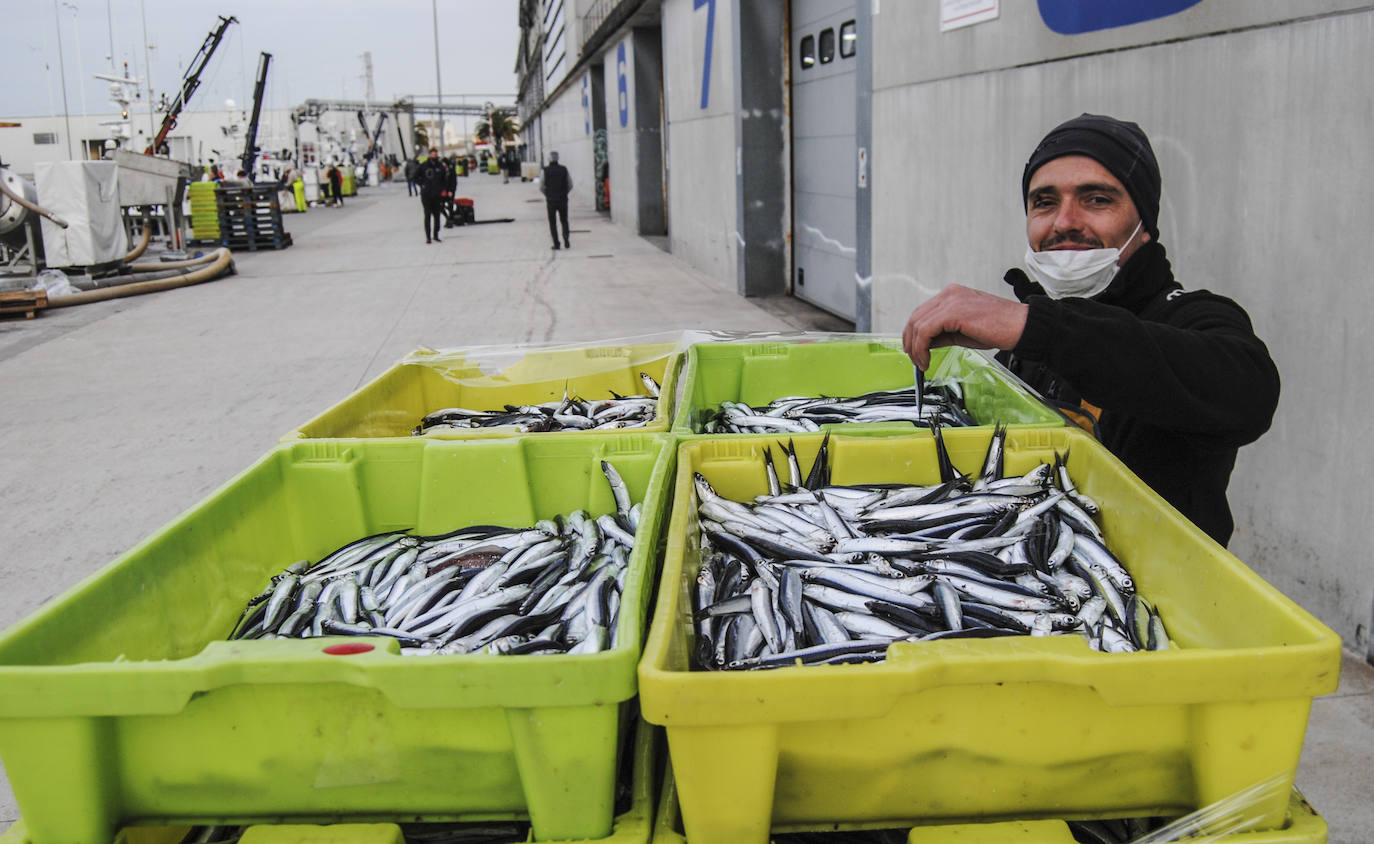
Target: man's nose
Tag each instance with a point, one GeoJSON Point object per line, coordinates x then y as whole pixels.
{"type": "Point", "coordinates": [1067, 217]}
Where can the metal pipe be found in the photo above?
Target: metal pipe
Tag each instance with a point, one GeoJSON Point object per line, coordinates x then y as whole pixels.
{"type": "Point", "coordinates": [29, 205]}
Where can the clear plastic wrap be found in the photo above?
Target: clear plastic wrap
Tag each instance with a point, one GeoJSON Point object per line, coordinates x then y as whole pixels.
{"type": "Point", "coordinates": [1223, 819]}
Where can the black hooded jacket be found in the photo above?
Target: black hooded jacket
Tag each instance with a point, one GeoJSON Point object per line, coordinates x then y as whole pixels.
{"type": "Point", "coordinates": [1180, 377]}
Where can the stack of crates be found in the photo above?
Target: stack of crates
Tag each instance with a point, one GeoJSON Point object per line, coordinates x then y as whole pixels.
{"type": "Point", "coordinates": [250, 218]}
{"type": "Point", "coordinates": [103, 692]}
{"type": "Point", "coordinates": [190, 727]}
{"type": "Point", "coordinates": [204, 213]}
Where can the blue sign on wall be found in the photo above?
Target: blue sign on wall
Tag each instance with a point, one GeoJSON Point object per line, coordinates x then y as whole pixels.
{"type": "Point", "coordinates": [706, 60]}
{"type": "Point", "coordinates": [1074, 17]}
{"type": "Point", "coordinates": [622, 86]}
{"type": "Point", "coordinates": [586, 104]}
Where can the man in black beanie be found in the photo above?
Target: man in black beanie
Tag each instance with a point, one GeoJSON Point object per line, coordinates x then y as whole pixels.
{"type": "Point", "coordinates": [1173, 382]}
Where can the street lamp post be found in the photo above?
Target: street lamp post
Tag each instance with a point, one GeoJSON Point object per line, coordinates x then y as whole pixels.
{"type": "Point", "coordinates": [62, 65]}
{"type": "Point", "coordinates": [438, 80]}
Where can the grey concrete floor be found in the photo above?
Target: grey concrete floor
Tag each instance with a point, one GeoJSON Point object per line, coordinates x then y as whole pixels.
{"type": "Point", "coordinates": [117, 416]}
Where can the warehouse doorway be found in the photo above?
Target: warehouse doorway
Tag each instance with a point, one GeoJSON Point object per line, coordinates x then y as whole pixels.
{"type": "Point", "coordinates": [823, 47]}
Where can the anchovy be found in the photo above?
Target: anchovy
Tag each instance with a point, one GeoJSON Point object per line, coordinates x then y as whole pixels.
{"type": "Point", "coordinates": [551, 588]}
{"type": "Point", "coordinates": [570, 413]}
{"type": "Point", "coordinates": [878, 563]}
{"type": "Point", "coordinates": [934, 403]}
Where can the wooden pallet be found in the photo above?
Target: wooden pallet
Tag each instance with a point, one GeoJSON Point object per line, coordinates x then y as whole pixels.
{"type": "Point", "coordinates": [255, 244]}
{"type": "Point", "coordinates": [26, 302]}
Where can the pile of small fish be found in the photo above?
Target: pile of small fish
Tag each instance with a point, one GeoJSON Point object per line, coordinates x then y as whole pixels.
{"type": "Point", "coordinates": [570, 414]}
{"type": "Point", "coordinates": [814, 573]}
{"type": "Point", "coordinates": [551, 588]}
{"type": "Point", "coordinates": [940, 404]}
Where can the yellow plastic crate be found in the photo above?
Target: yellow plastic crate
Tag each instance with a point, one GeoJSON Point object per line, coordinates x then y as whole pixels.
{"type": "Point", "coordinates": [121, 702]}
{"type": "Point", "coordinates": [632, 826]}
{"type": "Point", "coordinates": [982, 729]}
{"type": "Point", "coordinates": [1301, 825]}
{"type": "Point", "coordinates": [393, 404]}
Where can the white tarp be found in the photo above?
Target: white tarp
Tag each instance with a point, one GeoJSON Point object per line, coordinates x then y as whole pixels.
{"type": "Point", "coordinates": [86, 195]}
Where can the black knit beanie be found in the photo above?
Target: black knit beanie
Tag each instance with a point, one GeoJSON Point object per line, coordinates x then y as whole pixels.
{"type": "Point", "coordinates": [1119, 146]}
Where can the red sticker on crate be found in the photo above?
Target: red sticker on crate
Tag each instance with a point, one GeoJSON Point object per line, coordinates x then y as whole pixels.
{"type": "Point", "coordinates": [347, 649]}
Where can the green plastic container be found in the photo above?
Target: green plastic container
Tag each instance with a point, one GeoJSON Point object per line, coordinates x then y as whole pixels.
{"type": "Point", "coordinates": [1018, 727]}
{"type": "Point", "coordinates": [757, 373]}
{"type": "Point", "coordinates": [632, 826]}
{"type": "Point", "coordinates": [1301, 825]}
{"type": "Point", "coordinates": [120, 702]}
{"type": "Point", "coordinates": [394, 403]}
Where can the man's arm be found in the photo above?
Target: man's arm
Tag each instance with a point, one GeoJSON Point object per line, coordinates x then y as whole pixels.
{"type": "Point", "coordinates": [962, 316]}
{"type": "Point", "coordinates": [1204, 373]}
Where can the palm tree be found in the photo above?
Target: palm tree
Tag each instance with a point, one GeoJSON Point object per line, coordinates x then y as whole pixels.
{"type": "Point", "coordinates": [506, 128]}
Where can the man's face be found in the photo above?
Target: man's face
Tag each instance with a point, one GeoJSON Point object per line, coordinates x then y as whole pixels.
{"type": "Point", "coordinates": [1076, 203]}
{"type": "Point", "coordinates": [433, 153]}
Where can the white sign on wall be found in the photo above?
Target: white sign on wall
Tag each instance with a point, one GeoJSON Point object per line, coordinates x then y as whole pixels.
{"type": "Point", "coordinates": [959, 13]}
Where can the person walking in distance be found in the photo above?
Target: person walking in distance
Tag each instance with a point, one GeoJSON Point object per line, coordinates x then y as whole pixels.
{"type": "Point", "coordinates": [410, 167]}
{"type": "Point", "coordinates": [430, 176]}
{"type": "Point", "coordinates": [556, 184]}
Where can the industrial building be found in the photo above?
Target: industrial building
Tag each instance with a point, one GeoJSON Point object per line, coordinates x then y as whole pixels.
{"type": "Point", "coordinates": [861, 154]}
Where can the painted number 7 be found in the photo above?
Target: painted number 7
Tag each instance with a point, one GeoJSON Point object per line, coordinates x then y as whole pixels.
{"type": "Point", "coordinates": [706, 63]}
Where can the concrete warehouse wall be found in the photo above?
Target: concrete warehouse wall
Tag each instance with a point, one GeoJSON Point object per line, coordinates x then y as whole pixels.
{"type": "Point", "coordinates": [701, 141]}
{"type": "Point", "coordinates": [635, 132]}
{"type": "Point", "coordinates": [568, 131]}
{"type": "Point", "coordinates": [1259, 113]}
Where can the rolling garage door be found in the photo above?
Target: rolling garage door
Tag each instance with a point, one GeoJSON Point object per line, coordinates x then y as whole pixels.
{"type": "Point", "coordinates": [823, 46]}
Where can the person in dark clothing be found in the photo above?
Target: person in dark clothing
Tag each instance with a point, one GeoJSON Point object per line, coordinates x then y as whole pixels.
{"type": "Point", "coordinates": [430, 176]}
{"type": "Point", "coordinates": [410, 177]}
{"type": "Point", "coordinates": [450, 192]}
{"type": "Point", "coordinates": [336, 185]}
{"type": "Point", "coordinates": [556, 184]}
{"type": "Point", "coordinates": [1174, 382]}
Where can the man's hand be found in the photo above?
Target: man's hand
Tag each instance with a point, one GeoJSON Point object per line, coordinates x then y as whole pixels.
{"type": "Point", "coordinates": [962, 316]}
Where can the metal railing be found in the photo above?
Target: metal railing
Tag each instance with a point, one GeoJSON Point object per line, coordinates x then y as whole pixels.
{"type": "Point", "coordinates": [595, 16]}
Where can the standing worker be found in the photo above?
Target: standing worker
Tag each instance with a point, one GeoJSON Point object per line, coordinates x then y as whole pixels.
{"type": "Point", "coordinates": [450, 190]}
{"type": "Point", "coordinates": [1174, 381]}
{"type": "Point", "coordinates": [410, 167]}
{"type": "Point", "coordinates": [556, 184]}
{"type": "Point", "coordinates": [430, 176]}
{"type": "Point", "coordinates": [336, 184]}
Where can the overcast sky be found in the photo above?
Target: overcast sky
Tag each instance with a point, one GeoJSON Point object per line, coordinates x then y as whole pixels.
{"type": "Point", "coordinates": [316, 48]}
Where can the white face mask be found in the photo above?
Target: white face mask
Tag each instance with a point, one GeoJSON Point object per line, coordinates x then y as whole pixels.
{"type": "Point", "coordinates": [1075, 272]}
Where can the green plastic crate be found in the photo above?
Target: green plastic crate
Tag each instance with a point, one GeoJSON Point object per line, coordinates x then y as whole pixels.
{"type": "Point", "coordinates": [120, 702]}
{"type": "Point", "coordinates": [1002, 728]}
{"type": "Point", "coordinates": [393, 403]}
{"type": "Point", "coordinates": [1301, 825]}
{"type": "Point", "coordinates": [757, 373]}
{"type": "Point", "coordinates": [632, 826]}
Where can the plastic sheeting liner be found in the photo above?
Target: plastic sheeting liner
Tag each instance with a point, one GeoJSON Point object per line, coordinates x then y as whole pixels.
{"type": "Point", "coordinates": [86, 195]}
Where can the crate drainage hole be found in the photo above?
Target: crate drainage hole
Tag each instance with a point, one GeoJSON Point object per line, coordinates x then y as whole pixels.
{"type": "Point", "coordinates": [347, 649]}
